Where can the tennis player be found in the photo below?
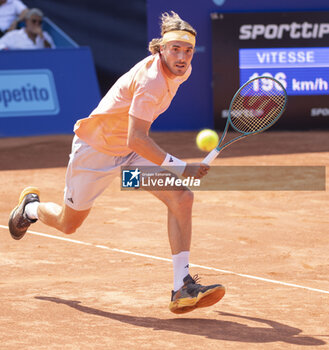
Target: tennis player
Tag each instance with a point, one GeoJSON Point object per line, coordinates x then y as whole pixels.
{"type": "Point", "coordinates": [116, 134]}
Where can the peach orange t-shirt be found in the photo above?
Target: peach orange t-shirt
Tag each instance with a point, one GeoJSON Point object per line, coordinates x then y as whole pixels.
{"type": "Point", "coordinates": [143, 92]}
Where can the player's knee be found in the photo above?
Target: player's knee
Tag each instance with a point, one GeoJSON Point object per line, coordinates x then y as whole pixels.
{"type": "Point", "coordinates": [185, 199]}
{"type": "Point", "coordinates": [189, 197]}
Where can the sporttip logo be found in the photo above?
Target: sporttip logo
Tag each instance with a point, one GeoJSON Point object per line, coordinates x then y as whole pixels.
{"type": "Point", "coordinates": [293, 30]}
{"type": "Point", "coordinates": [320, 112]}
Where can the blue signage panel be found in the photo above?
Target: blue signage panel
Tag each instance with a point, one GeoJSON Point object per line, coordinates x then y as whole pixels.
{"type": "Point", "coordinates": [302, 57]}
{"type": "Point", "coordinates": [46, 91]}
{"type": "Point", "coordinates": [27, 92]}
{"type": "Point", "coordinates": [302, 71]}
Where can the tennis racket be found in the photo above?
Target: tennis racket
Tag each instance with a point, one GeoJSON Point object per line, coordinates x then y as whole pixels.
{"type": "Point", "coordinates": [256, 106]}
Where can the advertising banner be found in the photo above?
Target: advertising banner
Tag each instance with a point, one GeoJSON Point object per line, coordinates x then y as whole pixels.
{"type": "Point", "coordinates": [292, 47]}
{"type": "Point", "coordinates": [44, 92]}
{"type": "Point", "coordinates": [27, 92]}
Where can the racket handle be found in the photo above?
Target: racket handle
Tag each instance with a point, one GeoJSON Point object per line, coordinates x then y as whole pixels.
{"type": "Point", "coordinates": [211, 156]}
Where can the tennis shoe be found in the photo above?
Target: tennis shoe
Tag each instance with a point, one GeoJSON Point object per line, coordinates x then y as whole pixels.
{"type": "Point", "coordinates": [18, 220]}
{"type": "Point", "coordinates": [193, 295]}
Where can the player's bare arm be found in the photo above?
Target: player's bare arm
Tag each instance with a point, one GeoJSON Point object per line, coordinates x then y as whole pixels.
{"type": "Point", "coordinates": [140, 142]}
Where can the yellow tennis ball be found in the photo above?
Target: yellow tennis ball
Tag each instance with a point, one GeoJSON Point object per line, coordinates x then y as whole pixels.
{"type": "Point", "coordinates": [207, 140]}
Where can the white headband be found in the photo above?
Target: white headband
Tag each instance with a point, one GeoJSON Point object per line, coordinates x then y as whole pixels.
{"type": "Point", "coordinates": [179, 35]}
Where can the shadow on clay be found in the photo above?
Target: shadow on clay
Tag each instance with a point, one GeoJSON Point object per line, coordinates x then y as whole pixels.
{"type": "Point", "coordinates": [267, 332]}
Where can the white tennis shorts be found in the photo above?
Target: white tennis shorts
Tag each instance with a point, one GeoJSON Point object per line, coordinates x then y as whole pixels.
{"type": "Point", "coordinates": [90, 172]}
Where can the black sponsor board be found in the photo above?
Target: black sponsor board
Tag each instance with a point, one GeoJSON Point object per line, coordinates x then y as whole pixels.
{"type": "Point", "coordinates": [292, 47]}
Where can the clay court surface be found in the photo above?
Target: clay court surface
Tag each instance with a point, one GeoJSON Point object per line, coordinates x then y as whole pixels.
{"type": "Point", "coordinates": [105, 288]}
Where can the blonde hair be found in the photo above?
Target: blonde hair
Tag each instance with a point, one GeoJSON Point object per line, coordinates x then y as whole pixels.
{"type": "Point", "coordinates": [169, 22]}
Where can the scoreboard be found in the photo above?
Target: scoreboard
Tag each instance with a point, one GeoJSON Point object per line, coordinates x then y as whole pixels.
{"type": "Point", "coordinates": [292, 47]}
{"type": "Point", "coordinates": [302, 71]}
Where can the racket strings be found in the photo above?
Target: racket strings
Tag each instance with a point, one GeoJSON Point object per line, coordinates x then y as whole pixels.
{"type": "Point", "coordinates": [253, 111]}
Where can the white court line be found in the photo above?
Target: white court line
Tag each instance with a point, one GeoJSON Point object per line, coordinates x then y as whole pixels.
{"type": "Point", "coordinates": [169, 260]}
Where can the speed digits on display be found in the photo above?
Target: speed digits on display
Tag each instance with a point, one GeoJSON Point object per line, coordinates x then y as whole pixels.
{"type": "Point", "coordinates": [302, 71]}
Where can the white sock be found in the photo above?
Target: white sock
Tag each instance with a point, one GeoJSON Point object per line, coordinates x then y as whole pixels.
{"type": "Point", "coordinates": [31, 210]}
{"type": "Point", "coordinates": [181, 268]}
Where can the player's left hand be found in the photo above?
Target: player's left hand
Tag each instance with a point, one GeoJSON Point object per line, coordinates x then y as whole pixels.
{"type": "Point", "coordinates": [196, 170]}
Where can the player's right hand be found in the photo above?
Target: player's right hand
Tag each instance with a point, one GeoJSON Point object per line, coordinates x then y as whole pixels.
{"type": "Point", "coordinates": [196, 170]}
